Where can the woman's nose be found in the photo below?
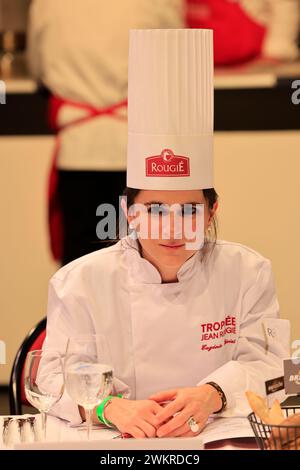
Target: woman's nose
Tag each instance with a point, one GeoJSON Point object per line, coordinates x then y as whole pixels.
{"type": "Point", "coordinates": [172, 227]}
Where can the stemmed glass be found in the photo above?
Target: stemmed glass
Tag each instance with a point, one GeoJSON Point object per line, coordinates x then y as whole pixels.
{"type": "Point", "coordinates": [88, 372]}
{"type": "Point", "coordinates": [44, 381]}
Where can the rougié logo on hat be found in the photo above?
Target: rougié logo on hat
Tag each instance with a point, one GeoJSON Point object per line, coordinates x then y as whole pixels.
{"type": "Point", "coordinates": [167, 164]}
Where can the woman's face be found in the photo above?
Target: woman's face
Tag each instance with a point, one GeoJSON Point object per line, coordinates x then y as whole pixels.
{"type": "Point", "coordinates": [174, 231]}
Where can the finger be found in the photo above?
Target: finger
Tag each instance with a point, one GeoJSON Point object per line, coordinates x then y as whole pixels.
{"type": "Point", "coordinates": [168, 411]}
{"type": "Point", "coordinates": [136, 432]}
{"type": "Point", "coordinates": [179, 421]}
{"type": "Point", "coordinates": [185, 431]}
{"type": "Point", "coordinates": [148, 429]}
{"type": "Point", "coordinates": [150, 417]}
{"type": "Point", "coordinates": [156, 408]}
{"type": "Point", "coordinates": [164, 395]}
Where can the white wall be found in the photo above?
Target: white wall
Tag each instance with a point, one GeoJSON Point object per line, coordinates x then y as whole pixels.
{"type": "Point", "coordinates": [25, 262]}
{"type": "Point", "coordinates": [257, 177]}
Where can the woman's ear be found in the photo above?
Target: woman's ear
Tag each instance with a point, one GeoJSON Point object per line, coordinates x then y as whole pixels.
{"type": "Point", "coordinates": [129, 218]}
{"type": "Point", "coordinates": [213, 210]}
{"type": "Point", "coordinates": [215, 207]}
{"type": "Point", "coordinates": [124, 206]}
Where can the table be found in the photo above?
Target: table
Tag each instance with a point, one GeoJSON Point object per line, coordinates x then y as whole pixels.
{"type": "Point", "coordinates": [61, 435]}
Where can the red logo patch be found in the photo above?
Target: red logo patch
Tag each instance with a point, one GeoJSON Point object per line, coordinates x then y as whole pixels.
{"type": "Point", "coordinates": [218, 330]}
{"type": "Point", "coordinates": [167, 164]}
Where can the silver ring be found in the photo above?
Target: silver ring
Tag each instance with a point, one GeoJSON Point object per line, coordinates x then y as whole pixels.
{"type": "Point", "coordinates": [194, 426]}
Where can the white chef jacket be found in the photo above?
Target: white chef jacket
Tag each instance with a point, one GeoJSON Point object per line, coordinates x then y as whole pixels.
{"type": "Point", "coordinates": [218, 323]}
{"type": "Point", "coordinates": [79, 50]}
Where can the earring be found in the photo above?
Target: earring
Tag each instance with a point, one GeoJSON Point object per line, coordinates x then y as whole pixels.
{"type": "Point", "coordinates": [208, 232]}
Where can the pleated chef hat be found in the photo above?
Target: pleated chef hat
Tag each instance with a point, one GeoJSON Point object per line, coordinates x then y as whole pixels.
{"type": "Point", "coordinates": [170, 109]}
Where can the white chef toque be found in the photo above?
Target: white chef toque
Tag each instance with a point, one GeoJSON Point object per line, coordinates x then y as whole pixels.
{"type": "Point", "coordinates": [170, 109]}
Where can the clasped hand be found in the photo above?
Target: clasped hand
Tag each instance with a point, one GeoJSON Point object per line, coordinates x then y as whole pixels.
{"type": "Point", "coordinates": [164, 414]}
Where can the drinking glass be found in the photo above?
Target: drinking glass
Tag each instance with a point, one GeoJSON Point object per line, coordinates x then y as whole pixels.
{"type": "Point", "coordinates": [44, 381]}
{"type": "Point", "coordinates": [88, 372]}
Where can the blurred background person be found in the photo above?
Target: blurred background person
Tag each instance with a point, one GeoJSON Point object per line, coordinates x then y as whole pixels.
{"type": "Point", "coordinates": [248, 29]}
{"type": "Point", "coordinates": [79, 51]}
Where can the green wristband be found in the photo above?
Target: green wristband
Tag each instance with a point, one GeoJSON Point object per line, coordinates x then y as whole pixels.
{"type": "Point", "coordinates": [100, 410]}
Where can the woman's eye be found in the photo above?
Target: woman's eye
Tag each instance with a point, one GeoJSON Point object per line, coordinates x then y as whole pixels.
{"type": "Point", "coordinates": [160, 209]}
{"type": "Point", "coordinates": [157, 209]}
{"type": "Point", "coordinates": [189, 210]}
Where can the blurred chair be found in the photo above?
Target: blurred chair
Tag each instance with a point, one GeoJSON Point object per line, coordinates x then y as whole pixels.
{"type": "Point", "coordinates": [34, 340]}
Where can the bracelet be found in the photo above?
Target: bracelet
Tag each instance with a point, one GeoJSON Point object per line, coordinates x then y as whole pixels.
{"type": "Point", "coordinates": [100, 410]}
{"type": "Point", "coordinates": [221, 395]}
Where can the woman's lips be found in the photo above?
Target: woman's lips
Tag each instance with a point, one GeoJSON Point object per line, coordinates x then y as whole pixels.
{"type": "Point", "coordinates": [172, 247]}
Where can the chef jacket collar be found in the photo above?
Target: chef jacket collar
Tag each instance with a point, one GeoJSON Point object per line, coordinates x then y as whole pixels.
{"type": "Point", "coordinates": [143, 272]}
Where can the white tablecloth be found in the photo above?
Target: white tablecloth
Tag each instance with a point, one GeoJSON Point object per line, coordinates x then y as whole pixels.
{"type": "Point", "coordinates": [59, 432]}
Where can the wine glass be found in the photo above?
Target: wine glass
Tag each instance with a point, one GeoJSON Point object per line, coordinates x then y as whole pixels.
{"type": "Point", "coordinates": [88, 372]}
{"type": "Point", "coordinates": [44, 381]}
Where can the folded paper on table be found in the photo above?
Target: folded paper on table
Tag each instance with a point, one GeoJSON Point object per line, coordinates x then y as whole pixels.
{"type": "Point", "coordinates": [226, 428]}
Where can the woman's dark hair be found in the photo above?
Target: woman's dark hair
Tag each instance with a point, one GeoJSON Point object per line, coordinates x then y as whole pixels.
{"type": "Point", "coordinates": [210, 196]}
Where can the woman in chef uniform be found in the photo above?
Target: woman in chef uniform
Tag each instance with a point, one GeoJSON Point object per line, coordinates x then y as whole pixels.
{"type": "Point", "coordinates": [187, 324]}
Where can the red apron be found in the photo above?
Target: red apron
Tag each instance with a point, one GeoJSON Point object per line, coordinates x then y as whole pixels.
{"type": "Point", "coordinates": [54, 208]}
{"type": "Point", "coordinates": [237, 37]}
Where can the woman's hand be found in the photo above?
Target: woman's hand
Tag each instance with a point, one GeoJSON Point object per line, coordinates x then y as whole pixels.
{"type": "Point", "coordinates": [135, 417]}
{"type": "Point", "coordinates": [199, 402]}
